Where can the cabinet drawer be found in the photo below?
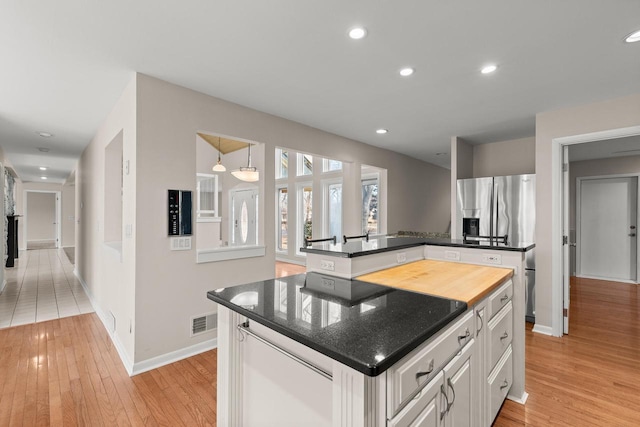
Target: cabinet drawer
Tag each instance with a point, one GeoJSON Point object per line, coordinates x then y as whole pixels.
{"type": "Point", "coordinates": [500, 382]}
{"type": "Point", "coordinates": [411, 373]}
{"type": "Point", "coordinates": [424, 408]}
{"type": "Point", "coordinates": [500, 334]}
{"type": "Point", "coordinates": [500, 298]}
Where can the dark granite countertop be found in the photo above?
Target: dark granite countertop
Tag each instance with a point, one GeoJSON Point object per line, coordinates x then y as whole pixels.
{"type": "Point", "coordinates": [356, 248]}
{"type": "Point", "coordinates": [365, 326]}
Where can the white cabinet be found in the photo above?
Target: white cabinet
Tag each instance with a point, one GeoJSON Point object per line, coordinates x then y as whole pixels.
{"type": "Point", "coordinates": [481, 400]}
{"type": "Point", "coordinates": [457, 389]}
{"type": "Point", "coordinates": [426, 409]}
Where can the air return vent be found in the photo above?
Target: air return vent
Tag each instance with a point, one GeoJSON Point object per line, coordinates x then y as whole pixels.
{"type": "Point", "coordinates": [204, 323]}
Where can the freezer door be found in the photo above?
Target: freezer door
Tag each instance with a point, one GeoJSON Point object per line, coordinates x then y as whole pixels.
{"type": "Point", "coordinates": [515, 207]}
{"type": "Point", "coordinates": [474, 201]}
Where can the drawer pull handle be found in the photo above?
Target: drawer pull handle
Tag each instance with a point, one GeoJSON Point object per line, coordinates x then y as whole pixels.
{"type": "Point", "coordinates": [423, 373]}
{"type": "Point", "coordinates": [481, 322]}
{"type": "Point", "coordinates": [504, 336]}
{"type": "Point", "coordinates": [504, 298]}
{"type": "Point", "coordinates": [450, 384]}
{"type": "Point", "coordinates": [446, 407]}
{"type": "Point", "coordinates": [466, 335]}
{"type": "Point", "coordinates": [504, 385]}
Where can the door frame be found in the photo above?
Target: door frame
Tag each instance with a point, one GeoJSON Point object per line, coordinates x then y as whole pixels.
{"type": "Point", "coordinates": [578, 218]}
{"type": "Point", "coordinates": [557, 260]}
{"type": "Point", "coordinates": [58, 210]}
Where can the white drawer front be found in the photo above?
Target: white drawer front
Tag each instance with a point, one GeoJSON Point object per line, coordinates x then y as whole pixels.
{"type": "Point", "coordinates": [500, 334]}
{"type": "Point", "coordinates": [500, 298]}
{"type": "Point", "coordinates": [407, 376]}
{"type": "Point", "coordinates": [424, 409]}
{"type": "Point", "coordinates": [500, 382]}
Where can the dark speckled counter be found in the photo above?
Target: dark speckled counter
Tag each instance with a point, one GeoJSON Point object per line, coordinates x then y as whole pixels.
{"type": "Point", "coordinates": [364, 326]}
{"type": "Point", "coordinates": [357, 248]}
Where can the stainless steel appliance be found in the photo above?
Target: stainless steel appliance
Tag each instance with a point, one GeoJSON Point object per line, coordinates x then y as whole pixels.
{"type": "Point", "coordinates": [500, 210]}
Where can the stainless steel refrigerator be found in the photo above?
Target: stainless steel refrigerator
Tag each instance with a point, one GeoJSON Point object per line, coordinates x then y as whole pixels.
{"type": "Point", "coordinates": [500, 210]}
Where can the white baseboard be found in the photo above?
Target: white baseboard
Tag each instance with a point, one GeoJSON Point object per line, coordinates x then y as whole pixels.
{"type": "Point", "coordinates": [519, 399]}
{"type": "Point", "coordinates": [2, 285]}
{"type": "Point", "coordinates": [124, 357]}
{"type": "Point", "coordinates": [149, 364]}
{"type": "Point", "coordinates": [174, 356]}
{"type": "Point", "coordinates": [544, 330]}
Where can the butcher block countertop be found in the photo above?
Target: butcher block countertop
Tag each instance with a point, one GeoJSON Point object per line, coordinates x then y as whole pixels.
{"type": "Point", "coordinates": [463, 282]}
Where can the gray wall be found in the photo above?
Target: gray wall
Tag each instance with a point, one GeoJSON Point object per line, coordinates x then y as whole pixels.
{"type": "Point", "coordinates": [513, 157]}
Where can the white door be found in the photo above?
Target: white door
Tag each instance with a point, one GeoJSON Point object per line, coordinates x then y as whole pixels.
{"type": "Point", "coordinates": [607, 234]}
{"type": "Point", "coordinates": [244, 217]}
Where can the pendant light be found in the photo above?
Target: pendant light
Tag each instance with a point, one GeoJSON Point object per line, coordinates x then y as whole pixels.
{"type": "Point", "coordinates": [247, 173]}
{"type": "Point", "coordinates": [219, 167]}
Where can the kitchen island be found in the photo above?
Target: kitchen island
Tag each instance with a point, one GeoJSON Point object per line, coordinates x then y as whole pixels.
{"type": "Point", "coordinates": [323, 350]}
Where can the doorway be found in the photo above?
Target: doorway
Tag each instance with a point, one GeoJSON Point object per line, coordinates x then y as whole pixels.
{"type": "Point", "coordinates": [606, 220]}
{"type": "Point", "coordinates": [42, 219]}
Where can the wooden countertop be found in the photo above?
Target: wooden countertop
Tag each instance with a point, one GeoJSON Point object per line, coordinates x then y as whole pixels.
{"type": "Point", "coordinates": [464, 282]}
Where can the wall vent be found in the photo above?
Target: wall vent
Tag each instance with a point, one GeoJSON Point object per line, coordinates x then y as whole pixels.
{"type": "Point", "coordinates": [204, 323]}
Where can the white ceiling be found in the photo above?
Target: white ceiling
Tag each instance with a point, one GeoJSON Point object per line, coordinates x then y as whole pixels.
{"type": "Point", "coordinates": [66, 62]}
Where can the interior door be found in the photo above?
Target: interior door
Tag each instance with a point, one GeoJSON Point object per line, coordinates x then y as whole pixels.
{"type": "Point", "coordinates": [244, 217]}
{"type": "Point", "coordinates": [607, 234]}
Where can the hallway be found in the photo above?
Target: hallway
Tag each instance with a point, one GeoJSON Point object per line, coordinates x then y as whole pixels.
{"type": "Point", "coordinates": [41, 287]}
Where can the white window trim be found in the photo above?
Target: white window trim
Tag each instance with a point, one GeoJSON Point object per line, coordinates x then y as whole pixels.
{"type": "Point", "coordinates": [215, 211]}
{"type": "Point", "coordinates": [279, 187]}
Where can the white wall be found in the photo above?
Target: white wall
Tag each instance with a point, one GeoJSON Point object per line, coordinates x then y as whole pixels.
{"type": "Point", "coordinates": [169, 286]}
{"type": "Point", "coordinates": [109, 275]}
{"type": "Point", "coordinates": [601, 116]}
{"type": "Point", "coordinates": [514, 157]}
{"type": "Point", "coordinates": [41, 216]}
{"type": "Point", "coordinates": [68, 215]}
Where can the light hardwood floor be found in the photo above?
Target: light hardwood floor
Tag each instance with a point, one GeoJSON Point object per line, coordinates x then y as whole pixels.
{"type": "Point", "coordinates": [67, 372]}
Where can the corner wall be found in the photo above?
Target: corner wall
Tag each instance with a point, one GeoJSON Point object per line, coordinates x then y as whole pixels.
{"type": "Point", "coordinates": [596, 117]}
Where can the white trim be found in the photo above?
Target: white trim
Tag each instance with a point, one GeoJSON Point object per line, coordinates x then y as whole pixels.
{"type": "Point", "coordinates": [521, 399]}
{"type": "Point", "coordinates": [2, 285]}
{"type": "Point", "coordinates": [557, 291]}
{"type": "Point", "coordinates": [298, 261]}
{"type": "Point", "coordinates": [544, 330]}
{"type": "Point", "coordinates": [174, 356]}
{"type": "Point", "coordinates": [122, 352]}
{"type": "Point", "coordinates": [228, 253]}
{"type": "Point", "coordinates": [608, 279]}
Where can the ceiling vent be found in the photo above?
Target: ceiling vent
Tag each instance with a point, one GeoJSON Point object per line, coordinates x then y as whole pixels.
{"type": "Point", "coordinates": [204, 323]}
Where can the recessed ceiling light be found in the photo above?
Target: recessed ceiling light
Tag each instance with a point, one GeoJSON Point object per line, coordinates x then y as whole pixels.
{"type": "Point", "coordinates": [488, 69]}
{"type": "Point", "coordinates": [44, 134]}
{"type": "Point", "coordinates": [42, 168]}
{"type": "Point", "coordinates": [633, 37]}
{"type": "Point", "coordinates": [357, 33]}
{"type": "Point", "coordinates": [43, 177]}
{"type": "Point", "coordinates": [43, 149]}
{"type": "Point", "coordinates": [406, 72]}
{"type": "Point", "coordinates": [381, 131]}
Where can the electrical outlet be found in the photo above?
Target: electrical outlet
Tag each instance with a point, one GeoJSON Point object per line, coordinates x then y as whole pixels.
{"type": "Point", "coordinates": [328, 283]}
{"type": "Point", "coordinates": [454, 255]}
{"type": "Point", "coordinates": [402, 257]}
{"type": "Point", "coordinates": [492, 258]}
{"type": "Point", "coordinates": [327, 265]}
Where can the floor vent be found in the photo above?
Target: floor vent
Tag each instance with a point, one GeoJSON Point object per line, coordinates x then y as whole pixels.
{"type": "Point", "coordinates": [204, 323]}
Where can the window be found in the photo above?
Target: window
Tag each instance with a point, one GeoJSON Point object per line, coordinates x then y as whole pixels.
{"type": "Point", "coordinates": [305, 213]}
{"type": "Point", "coordinates": [207, 196]}
{"type": "Point", "coordinates": [305, 164]}
{"type": "Point", "coordinates": [329, 165]}
{"type": "Point", "coordinates": [333, 209]}
{"type": "Point", "coordinates": [370, 205]}
{"type": "Point", "coordinates": [282, 163]}
{"type": "Point", "coordinates": [282, 204]}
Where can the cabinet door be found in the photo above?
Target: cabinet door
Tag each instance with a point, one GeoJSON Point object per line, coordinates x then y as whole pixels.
{"type": "Point", "coordinates": [458, 386]}
{"type": "Point", "coordinates": [426, 409]}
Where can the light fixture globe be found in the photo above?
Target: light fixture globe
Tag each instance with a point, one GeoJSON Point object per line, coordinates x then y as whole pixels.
{"type": "Point", "coordinates": [219, 167]}
{"type": "Point", "coordinates": [247, 173]}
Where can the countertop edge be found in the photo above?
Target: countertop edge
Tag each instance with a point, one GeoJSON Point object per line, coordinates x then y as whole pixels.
{"type": "Point", "coordinates": [369, 370]}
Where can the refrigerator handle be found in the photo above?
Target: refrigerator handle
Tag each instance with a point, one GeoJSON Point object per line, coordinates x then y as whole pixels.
{"type": "Point", "coordinates": [491, 210]}
{"type": "Point", "coordinates": [497, 193]}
